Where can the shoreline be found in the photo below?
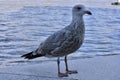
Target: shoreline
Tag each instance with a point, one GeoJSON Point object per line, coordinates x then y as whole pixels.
{"type": "Point", "coordinates": [101, 68]}
{"type": "Point", "coordinates": [95, 68]}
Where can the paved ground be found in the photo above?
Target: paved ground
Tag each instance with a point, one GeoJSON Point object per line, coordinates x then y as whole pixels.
{"type": "Point", "coordinates": [98, 68]}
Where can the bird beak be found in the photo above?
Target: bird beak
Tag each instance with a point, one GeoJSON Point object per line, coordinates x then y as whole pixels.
{"type": "Point", "coordinates": [88, 12]}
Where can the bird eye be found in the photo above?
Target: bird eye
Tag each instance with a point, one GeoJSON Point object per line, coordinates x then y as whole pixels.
{"type": "Point", "coordinates": [79, 8]}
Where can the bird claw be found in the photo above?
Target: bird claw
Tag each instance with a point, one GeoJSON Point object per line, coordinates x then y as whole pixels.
{"type": "Point", "coordinates": [63, 75]}
{"type": "Point", "coordinates": [71, 72]}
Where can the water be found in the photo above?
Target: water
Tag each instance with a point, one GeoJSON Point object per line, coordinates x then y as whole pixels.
{"type": "Point", "coordinates": [22, 31]}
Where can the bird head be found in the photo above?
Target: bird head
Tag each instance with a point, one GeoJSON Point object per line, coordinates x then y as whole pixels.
{"type": "Point", "coordinates": [80, 10]}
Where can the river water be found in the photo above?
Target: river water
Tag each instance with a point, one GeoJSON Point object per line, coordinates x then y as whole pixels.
{"type": "Point", "coordinates": [23, 30]}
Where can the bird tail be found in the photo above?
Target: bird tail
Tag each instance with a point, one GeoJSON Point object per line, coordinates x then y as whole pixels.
{"type": "Point", "coordinates": [32, 55]}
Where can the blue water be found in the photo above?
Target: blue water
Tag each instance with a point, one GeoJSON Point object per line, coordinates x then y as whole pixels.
{"type": "Point", "coordinates": [22, 31]}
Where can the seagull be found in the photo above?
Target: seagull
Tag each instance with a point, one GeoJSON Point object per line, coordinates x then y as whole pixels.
{"type": "Point", "coordinates": [63, 42]}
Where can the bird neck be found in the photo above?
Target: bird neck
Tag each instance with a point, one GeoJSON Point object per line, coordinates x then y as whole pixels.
{"type": "Point", "coordinates": [77, 22]}
{"type": "Point", "coordinates": [77, 19]}
{"type": "Point", "coordinates": [77, 25]}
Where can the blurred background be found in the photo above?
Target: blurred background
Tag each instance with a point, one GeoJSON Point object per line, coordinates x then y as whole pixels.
{"type": "Point", "coordinates": [26, 23]}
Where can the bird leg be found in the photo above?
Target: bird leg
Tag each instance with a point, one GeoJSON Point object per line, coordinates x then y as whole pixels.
{"type": "Point", "coordinates": [67, 70]}
{"type": "Point", "coordinates": [59, 73]}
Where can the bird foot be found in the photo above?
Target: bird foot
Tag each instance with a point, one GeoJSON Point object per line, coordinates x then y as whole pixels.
{"type": "Point", "coordinates": [62, 74]}
{"type": "Point", "coordinates": [71, 72]}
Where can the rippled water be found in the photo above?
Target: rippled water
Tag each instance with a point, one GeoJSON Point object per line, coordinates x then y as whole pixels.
{"type": "Point", "coordinates": [22, 31]}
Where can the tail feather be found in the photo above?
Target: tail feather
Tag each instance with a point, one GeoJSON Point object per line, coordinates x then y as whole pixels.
{"type": "Point", "coordinates": [31, 56]}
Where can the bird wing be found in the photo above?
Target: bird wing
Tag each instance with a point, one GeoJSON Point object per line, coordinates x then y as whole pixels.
{"type": "Point", "coordinates": [59, 43]}
{"type": "Point", "coordinates": [54, 41]}
{"type": "Point", "coordinates": [69, 45]}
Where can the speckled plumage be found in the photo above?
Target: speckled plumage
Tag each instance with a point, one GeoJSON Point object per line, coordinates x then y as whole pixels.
{"type": "Point", "coordinates": [64, 41]}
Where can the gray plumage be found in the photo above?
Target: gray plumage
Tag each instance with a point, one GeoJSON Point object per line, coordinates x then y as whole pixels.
{"type": "Point", "coordinates": [65, 41]}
